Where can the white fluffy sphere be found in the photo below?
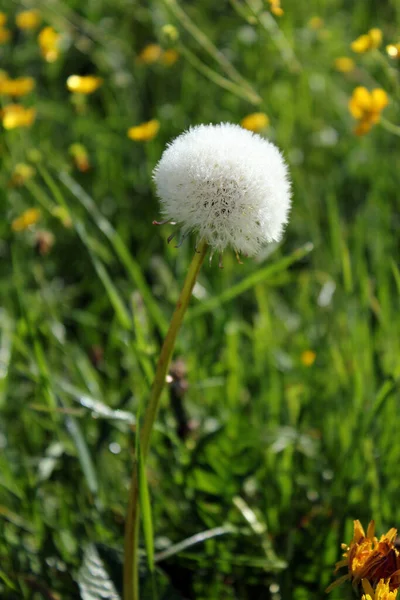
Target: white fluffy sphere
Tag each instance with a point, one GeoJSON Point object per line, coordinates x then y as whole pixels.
{"type": "Point", "coordinates": [228, 184]}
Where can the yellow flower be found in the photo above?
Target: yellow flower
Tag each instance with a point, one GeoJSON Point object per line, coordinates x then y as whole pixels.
{"type": "Point", "coordinates": [85, 84]}
{"type": "Point", "coordinates": [393, 50]}
{"type": "Point", "coordinates": [368, 41]}
{"type": "Point", "coordinates": [3, 19]}
{"type": "Point", "coordinates": [366, 107]}
{"type": "Point", "coordinates": [49, 42]}
{"type": "Point", "coordinates": [170, 32]}
{"type": "Point", "coordinates": [144, 132]}
{"type": "Point", "coordinates": [366, 557]}
{"type": "Point", "coordinates": [308, 358]}
{"type": "Point", "coordinates": [28, 19]}
{"type": "Point", "coordinates": [27, 219]}
{"type": "Point", "coordinates": [15, 115]}
{"type": "Point", "coordinates": [80, 156]}
{"type": "Point", "coordinates": [5, 35]}
{"type": "Point", "coordinates": [276, 7]}
{"type": "Point", "coordinates": [344, 64]}
{"type": "Point", "coordinates": [316, 23]}
{"type": "Point", "coordinates": [16, 87]}
{"type": "Point", "coordinates": [61, 213]}
{"type": "Point", "coordinates": [255, 122]}
{"type": "Point", "coordinates": [150, 54]}
{"type": "Point", "coordinates": [169, 57]}
{"type": "Point", "coordinates": [382, 591]}
{"type": "Point", "coordinates": [22, 172]}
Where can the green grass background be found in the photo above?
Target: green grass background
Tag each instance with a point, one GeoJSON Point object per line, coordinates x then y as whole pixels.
{"type": "Point", "coordinates": [281, 456]}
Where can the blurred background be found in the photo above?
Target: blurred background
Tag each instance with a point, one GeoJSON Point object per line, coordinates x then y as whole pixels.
{"type": "Point", "coordinates": [280, 423]}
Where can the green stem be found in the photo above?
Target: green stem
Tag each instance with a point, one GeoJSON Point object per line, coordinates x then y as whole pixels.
{"type": "Point", "coordinates": [131, 562]}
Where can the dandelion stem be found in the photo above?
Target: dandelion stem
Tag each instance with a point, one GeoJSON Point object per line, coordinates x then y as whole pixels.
{"type": "Point", "coordinates": [131, 562]}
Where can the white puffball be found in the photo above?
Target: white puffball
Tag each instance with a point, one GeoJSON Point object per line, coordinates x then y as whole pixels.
{"type": "Point", "coordinates": [226, 183]}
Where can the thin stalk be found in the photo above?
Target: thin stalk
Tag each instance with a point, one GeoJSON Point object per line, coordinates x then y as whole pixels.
{"type": "Point", "coordinates": [131, 562]}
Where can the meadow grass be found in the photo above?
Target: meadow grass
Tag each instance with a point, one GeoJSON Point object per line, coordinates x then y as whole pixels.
{"type": "Point", "coordinates": [259, 461]}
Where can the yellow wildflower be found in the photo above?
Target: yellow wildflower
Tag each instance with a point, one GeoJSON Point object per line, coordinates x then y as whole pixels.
{"type": "Point", "coordinates": [276, 7]}
{"type": "Point", "coordinates": [150, 54]}
{"type": "Point", "coordinates": [80, 156]}
{"type": "Point", "coordinates": [15, 115]}
{"type": "Point", "coordinates": [26, 220]}
{"type": "Point", "coordinates": [16, 87]}
{"type": "Point", "coordinates": [22, 172]}
{"type": "Point", "coordinates": [169, 57]}
{"type": "Point", "coordinates": [382, 591]}
{"type": "Point", "coordinates": [308, 358]}
{"type": "Point", "coordinates": [344, 64]}
{"type": "Point", "coordinates": [170, 32]}
{"type": "Point", "coordinates": [49, 42]}
{"type": "Point", "coordinates": [393, 50]}
{"type": "Point", "coordinates": [255, 122]}
{"type": "Point", "coordinates": [366, 557]}
{"type": "Point", "coordinates": [85, 84]}
{"type": "Point", "coordinates": [368, 41]}
{"type": "Point", "coordinates": [3, 19]}
{"type": "Point", "coordinates": [366, 107]}
{"type": "Point", "coordinates": [144, 132]}
{"type": "Point", "coordinates": [5, 35]}
{"type": "Point", "coordinates": [61, 213]}
{"type": "Point", "coordinates": [28, 19]}
{"type": "Point", "coordinates": [316, 23]}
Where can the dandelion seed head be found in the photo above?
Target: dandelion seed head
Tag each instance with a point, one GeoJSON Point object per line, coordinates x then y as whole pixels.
{"type": "Point", "coordinates": [226, 183]}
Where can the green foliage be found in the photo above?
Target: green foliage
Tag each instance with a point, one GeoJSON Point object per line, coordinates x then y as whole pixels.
{"type": "Point", "coordinates": [258, 463]}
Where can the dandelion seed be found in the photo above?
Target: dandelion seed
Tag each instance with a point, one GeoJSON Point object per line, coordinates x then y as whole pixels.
{"type": "Point", "coordinates": [144, 132]}
{"type": "Point", "coordinates": [28, 19]}
{"type": "Point", "coordinates": [366, 107]}
{"type": "Point", "coordinates": [85, 84]}
{"type": "Point", "coordinates": [255, 122]}
{"type": "Point", "coordinates": [229, 185]}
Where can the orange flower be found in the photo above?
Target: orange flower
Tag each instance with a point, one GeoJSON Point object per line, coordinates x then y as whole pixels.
{"type": "Point", "coordinates": [255, 122]}
{"type": "Point", "coordinates": [86, 84]}
{"type": "Point", "coordinates": [28, 19]}
{"type": "Point", "coordinates": [80, 156]}
{"type": "Point", "coordinates": [144, 132]}
{"type": "Point", "coordinates": [16, 87]}
{"type": "Point", "coordinates": [49, 42]}
{"type": "Point", "coordinates": [15, 115]}
{"type": "Point", "coordinates": [366, 557]}
{"type": "Point", "coordinates": [366, 107]}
